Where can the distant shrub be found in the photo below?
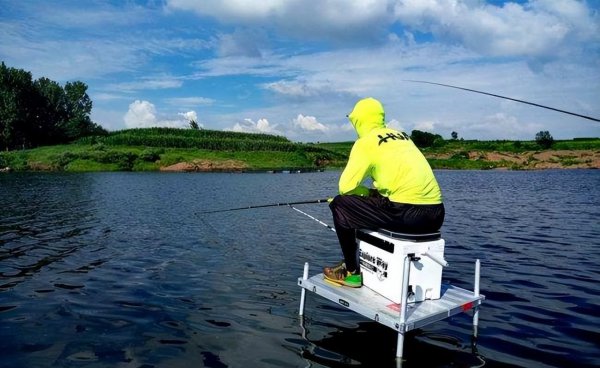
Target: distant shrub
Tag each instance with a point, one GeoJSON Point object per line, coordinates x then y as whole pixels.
{"type": "Point", "coordinates": [99, 147]}
{"type": "Point", "coordinates": [439, 142]}
{"type": "Point", "coordinates": [126, 160]}
{"type": "Point", "coordinates": [460, 155]}
{"type": "Point", "coordinates": [151, 155]}
{"type": "Point", "coordinates": [544, 139]}
{"type": "Point", "coordinates": [63, 159]}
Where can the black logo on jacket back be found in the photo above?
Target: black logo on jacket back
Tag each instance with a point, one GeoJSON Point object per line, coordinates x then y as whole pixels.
{"type": "Point", "coordinates": [393, 136]}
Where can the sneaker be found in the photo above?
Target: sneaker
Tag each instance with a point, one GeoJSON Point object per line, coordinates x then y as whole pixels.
{"type": "Point", "coordinates": [339, 275]}
{"type": "Point", "coordinates": [329, 270]}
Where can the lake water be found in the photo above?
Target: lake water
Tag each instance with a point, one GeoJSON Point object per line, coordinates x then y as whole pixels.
{"type": "Point", "coordinates": [121, 270]}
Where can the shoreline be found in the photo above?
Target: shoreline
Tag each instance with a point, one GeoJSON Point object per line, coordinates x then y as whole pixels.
{"type": "Point", "coordinates": [449, 160]}
{"type": "Point", "coordinates": [528, 160]}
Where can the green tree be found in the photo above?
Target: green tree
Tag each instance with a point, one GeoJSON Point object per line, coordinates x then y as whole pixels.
{"type": "Point", "coordinates": [454, 135]}
{"type": "Point", "coordinates": [194, 125]}
{"type": "Point", "coordinates": [544, 139]}
{"type": "Point", "coordinates": [53, 110]}
{"type": "Point", "coordinates": [78, 108]}
{"type": "Point", "coordinates": [425, 139]}
{"type": "Point", "coordinates": [17, 107]}
{"type": "Point", "coordinates": [42, 112]}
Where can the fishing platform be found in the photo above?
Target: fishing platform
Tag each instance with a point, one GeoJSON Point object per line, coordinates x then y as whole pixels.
{"type": "Point", "coordinates": [402, 286]}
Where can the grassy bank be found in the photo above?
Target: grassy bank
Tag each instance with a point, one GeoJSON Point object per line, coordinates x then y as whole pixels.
{"type": "Point", "coordinates": [204, 150]}
{"type": "Point", "coordinates": [161, 148]}
{"type": "Point", "coordinates": [503, 154]}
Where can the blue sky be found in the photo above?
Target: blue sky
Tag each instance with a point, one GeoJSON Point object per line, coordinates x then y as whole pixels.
{"type": "Point", "coordinates": [296, 67]}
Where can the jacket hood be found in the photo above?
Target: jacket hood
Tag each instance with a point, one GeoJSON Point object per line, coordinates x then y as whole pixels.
{"type": "Point", "coordinates": [367, 115]}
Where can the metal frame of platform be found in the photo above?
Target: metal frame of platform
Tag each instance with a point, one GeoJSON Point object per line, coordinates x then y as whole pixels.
{"type": "Point", "coordinates": [402, 317]}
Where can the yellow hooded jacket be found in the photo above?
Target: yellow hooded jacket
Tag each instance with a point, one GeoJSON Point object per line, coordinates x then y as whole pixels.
{"type": "Point", "coordinates": [398, 169]}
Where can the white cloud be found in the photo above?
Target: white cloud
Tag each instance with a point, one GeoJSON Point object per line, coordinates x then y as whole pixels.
{"type": "Point", "coordinates": [191, 116]}
{"type": "Point", "coordinates": [395, 124]}
{"type": "Point", "coordinates": [322, 88]}
{"type": "Point", "coordinates": [250, 126]}
{"type": "Point", "coordinates": [229, 9]}
{"type": "Point", "coordinates": [76, 59]}
{"type": "Point", "coordinates": [537, 28]}
{"type": "Point", "coordinates": [321, 84]}
{"type": "Point", "coordinates": [142, 114]}
{"type": "Point", "coordinates": [503, 125]}
{"type": "Point", "coordinates": [290, 88]}
{"type": "Point", "coordinates": [153, 82]}
{"type": "Point", "coordinates": [240, 54]}
{"type": "Point", "coordinates": [242, 42]}
{"type": "Point", "coordinates": [102, 96]}
{"type": "Point", "coordinates": [308, 123]}
{"type": "Point", "coordinates": [425, 126]}
{"type": "Point", "coordinates": [337, 20]}
{"type": "Point", "coordinates": [189, 101]}
{"type": "Point", "coordinates": [63, 40]}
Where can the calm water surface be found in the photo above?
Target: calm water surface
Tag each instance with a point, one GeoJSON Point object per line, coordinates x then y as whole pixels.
{"type": "Point", "coordinates": [121, 270]}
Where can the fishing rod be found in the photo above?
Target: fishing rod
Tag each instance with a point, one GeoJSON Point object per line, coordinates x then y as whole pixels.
{"type": "Point", "coordinates": [507, 98]}
{"type": "Point", "coordinates": [289, 204]}
{"type": "Point", "coordinates": [269, 205]}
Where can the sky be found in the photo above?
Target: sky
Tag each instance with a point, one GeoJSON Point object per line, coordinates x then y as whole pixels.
{"type": "Point", "coordinates": [297, 67]}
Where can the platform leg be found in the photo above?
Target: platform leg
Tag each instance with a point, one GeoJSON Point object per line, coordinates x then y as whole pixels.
{"type": "Point", "coordinates": [303, 292]}
{"type": "Point", "coordinates": [400, 347]}
{"type": "Point", "coordinates": [403, 305]}
{"type": "Point", "coordinates": [476, 292]}
{"type": "Point", "coordinates": [404, 294]}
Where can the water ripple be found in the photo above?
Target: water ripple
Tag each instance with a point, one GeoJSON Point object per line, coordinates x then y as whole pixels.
{"type": "Point", "coordinates": [117, 269]}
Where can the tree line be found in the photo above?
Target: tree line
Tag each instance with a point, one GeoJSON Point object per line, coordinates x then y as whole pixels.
{"type": "Point", "coordinates": [424, 139]}
{"type": "Point", "coordinates": [41, 112]}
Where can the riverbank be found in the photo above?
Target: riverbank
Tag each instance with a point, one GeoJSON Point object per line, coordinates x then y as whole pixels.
{"type": "Point", "coordinates": [533, 160]}
{"type": "Point", "coordinates": [529, 160]}
{"type": "Point", "coordinates": [185, 150]}
{"type": "Point", "coordinates": [132, 159]}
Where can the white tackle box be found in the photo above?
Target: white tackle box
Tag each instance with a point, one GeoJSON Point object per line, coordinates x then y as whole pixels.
{"type": "Point", "coordinates": [382, 254]}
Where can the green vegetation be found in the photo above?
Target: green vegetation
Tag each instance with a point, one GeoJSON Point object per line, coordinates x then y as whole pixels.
{"type": "Point", "coordinates": [192, 138]}
{"type": "Point", "coordinates": [462, 146]}
{"type": "Point", "coordinates": [544, 139]}
{"type": "Point", "coordinates": [41, 112]}
{"type": "Point", "coordinates": [425, 139]}
{"type": "Point", "coordinates": [153, 148]}
{"type": "Point", "coordinates": [341, 148]}
{"type": "Point", "coordinates": [514, 155]}
{"type": "Point", "coordinates": [512, 146]}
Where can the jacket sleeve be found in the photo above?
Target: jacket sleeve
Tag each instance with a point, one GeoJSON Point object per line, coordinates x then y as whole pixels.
{"type": "Point", "coordinates": [356, 170]}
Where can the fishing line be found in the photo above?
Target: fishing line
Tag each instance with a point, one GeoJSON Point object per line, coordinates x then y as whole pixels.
{"type": "Point", "coordinates": [314, 218]}
{"type": "Point", "coordinates": [507, 98]}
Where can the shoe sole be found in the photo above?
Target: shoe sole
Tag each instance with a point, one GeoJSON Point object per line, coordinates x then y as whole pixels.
{"type": "Point", "coordinates": [341, 282]}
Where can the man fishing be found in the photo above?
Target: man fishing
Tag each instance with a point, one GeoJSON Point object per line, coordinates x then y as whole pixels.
{"type": "Point", "coordinates": [405, 196]}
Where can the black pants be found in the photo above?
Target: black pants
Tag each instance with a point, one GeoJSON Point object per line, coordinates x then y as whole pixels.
{"type": "Point", "coordinates": [352, 212]}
